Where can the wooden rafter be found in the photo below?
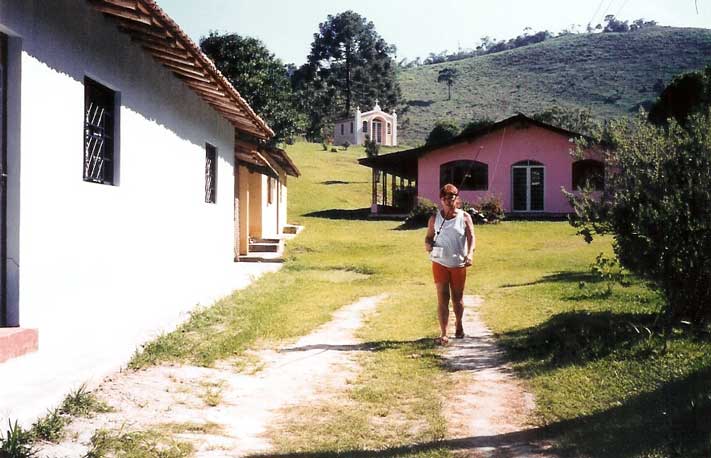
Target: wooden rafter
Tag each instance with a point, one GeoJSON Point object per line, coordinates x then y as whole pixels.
{"type": "Point", "coordinates": [160, 36]}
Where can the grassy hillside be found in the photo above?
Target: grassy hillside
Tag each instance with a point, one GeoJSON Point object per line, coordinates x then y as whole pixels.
{"type": "Point", "coordinates": [610, 74]}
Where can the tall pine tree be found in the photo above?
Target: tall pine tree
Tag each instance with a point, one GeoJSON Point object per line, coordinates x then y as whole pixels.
{"type": "Point", "coordinates": [349, 65]}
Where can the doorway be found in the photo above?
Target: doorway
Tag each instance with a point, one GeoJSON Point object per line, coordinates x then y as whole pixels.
{"type": "Point", "coordinates": [528, 186]}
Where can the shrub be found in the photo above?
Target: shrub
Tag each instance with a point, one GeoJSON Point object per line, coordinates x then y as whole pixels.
{"type": "Point", "coordinates": [334, 150]}
{"type": "Point", "coordinates": [371, 147]}
{"type": "Point", "coordinates": [420, 214]}
{"type": "Point", "coordinates": [17, 443]}
{"type": "Point", "coordinates": [491, 207]}
{"type": "Point", "coordinates": [324, 145]}
{"type": "Point", "coordinates": [346, 144]}
{"type": "Point", "coordinates": [442, 132]}
{"type": "Point", "coordinates": [657, 204]}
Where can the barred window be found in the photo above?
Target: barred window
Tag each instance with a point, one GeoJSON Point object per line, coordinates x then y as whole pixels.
{"type": "Point", "coordinates": [99, 129]}
{"type": "Point", "coordinates": [210, 174]}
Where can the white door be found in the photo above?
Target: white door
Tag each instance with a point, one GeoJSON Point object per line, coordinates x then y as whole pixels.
{"type": "Point", "coordinates": [528, 189]}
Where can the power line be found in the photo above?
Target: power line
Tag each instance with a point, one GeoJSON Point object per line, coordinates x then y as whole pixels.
{"type": "Point", "coordinates": [620, 8]}
{"type": "Point", "coordinates": [595, 13]}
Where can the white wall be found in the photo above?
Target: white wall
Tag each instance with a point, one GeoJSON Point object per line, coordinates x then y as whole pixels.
{"type": "Point", "coordinates": [103, 268]}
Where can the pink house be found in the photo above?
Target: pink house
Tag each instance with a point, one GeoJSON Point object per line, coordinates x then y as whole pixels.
{"type": "Point", "coordinates": [522, 161]}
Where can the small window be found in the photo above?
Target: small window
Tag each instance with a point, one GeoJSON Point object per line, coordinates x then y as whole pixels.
{"type": "Point", "coordinates": [342, 127]}
{"type": "Point", "coordinates": [365, 127]}
{"type": "Point", "coordinates": [351, 126]}
{"type": "Point", "coordinates": [466, 175]}
{"type": "Point", "coordinates": [99, 129]}
{"type": "Point", "coordinates": [210, 174]}
{"type": "Point", "coordinates": [589, 171]}
{"type": "Point", "coordinates": [389, 129]}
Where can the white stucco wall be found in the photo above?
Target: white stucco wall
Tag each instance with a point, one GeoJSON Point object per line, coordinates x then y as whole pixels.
{"type": "Point", "coordinates": [103, 268]}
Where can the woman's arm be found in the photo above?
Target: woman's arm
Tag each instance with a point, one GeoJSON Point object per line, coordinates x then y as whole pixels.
{"type": "Point", "coordinates": [429, 238]}
{"type": "Point", "coordinates": [471, 239]}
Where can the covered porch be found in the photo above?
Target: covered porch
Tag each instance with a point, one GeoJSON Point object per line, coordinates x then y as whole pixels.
{"type": "Point", "coordinates": [393, 182]}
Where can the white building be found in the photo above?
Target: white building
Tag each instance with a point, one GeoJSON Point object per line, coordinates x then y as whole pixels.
{"type": "Point", "coordinates": [375, 124]}
{"type": "Point", "coordinates": [121, 206]}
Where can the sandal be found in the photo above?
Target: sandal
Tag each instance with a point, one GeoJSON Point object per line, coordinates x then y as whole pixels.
{"type": "Point", "coordinates": [442, 340]}
{"type": "Point", "coordinates": [459, 334]}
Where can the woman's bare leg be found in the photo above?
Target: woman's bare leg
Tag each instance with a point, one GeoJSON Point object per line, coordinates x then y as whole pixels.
{"type": "Point", "coordinates": [442, 307]}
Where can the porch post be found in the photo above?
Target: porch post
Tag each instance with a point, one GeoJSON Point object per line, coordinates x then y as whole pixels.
{"type": "Point", "coordinates": [374, 191]}
{"type": "Point", "coordinates": [385, 188]}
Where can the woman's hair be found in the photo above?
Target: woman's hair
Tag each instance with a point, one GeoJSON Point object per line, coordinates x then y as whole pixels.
{"type": "Point", "coordinates": [448, 189]}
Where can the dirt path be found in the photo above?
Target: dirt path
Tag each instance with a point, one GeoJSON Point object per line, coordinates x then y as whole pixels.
{"type": "Point", "coordinates": [221, 412]}
{"type": "Point", "coordinates": [490, 413]}
{"type": "Point", "coordinates": [226, 413]}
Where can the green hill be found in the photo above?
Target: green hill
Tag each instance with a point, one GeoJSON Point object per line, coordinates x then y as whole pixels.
{"type": "Point", "coordinates": [611, 74]}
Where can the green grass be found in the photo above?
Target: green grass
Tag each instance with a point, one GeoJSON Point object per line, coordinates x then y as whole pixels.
{"type": "Point", "coordinates": [605, 385]}
{"type": "Point", "coordinates": [139, 444]}
{"type": "Point", "coordinates": [580, 71]}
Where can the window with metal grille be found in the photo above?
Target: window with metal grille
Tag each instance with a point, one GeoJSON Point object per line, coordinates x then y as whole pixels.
{"type": "Point", "coordinates": [465, 175]}
{"type": "Point", "coordinates": [210, 174]}
{"type": "Point", "coordinates": [99, 128]}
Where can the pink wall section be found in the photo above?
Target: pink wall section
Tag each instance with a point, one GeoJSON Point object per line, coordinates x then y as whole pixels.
{"type": "Point", "coordinates": [500, 150]}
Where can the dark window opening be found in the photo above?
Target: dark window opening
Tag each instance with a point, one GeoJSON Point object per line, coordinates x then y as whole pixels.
{"type": "Point", "coordinates": [351, 127]}
{"type": "Point", "coordinates": [210, 174]}
{"type": "Point", "coordinates": [589, 171]}
{"type": "Point", "coordinates": [465, 175]}
{"type": "Point", "coordinates": [99, 129]}
{"type": "Point", "coordinates": [365, 127]}
{"type": "Point", "coordinates": [342, 126]}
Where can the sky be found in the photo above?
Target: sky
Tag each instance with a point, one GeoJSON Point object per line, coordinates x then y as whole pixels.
{"type": "Point", "coordinates": [418, 27]}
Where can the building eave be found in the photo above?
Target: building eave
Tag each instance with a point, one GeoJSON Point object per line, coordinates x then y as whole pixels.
{"type": "Point", "coordinates": [150, 27]}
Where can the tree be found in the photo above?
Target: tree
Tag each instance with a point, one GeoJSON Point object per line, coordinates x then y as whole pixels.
{"type": "Point", "coordinates": [348, 55]}
{"type": "Point", "coordinates": [657, 205]}
{"type": "Point", "coordinates": [448, 76]}
{"type": "Point", "coordinates": [259, 77]}
{"type": "Point", "coordinates": [578, 120]}
{"type": "Point", "coordinates": [686, 94]}
{"type": "Point", "coordinates": [442, 132]}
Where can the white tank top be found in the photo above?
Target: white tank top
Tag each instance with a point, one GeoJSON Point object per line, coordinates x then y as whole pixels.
{"type": "Point", "coordinates": [450, 235]}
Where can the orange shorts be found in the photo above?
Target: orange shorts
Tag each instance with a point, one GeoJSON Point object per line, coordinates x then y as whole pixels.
{"type": "Point", "coordinates": [455, 276]}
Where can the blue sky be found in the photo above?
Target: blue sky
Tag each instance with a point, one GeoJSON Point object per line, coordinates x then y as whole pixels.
{"type": "Point", "coordinates": [418, 27]}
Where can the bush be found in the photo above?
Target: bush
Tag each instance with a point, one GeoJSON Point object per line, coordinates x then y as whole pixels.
{"type": "Point", "coordinates": [324, 146]}
{"type": "Point", "coordinates": [346, 144]}
{"type": "Point", "coordinates": [334, 150]}
{"type": "Point", "coordinates": [487, 210]}
{"type": "Point", "coordinates": [442, 132]}
{"type": "Point", "coordinates": [420, 214]}
{"type": "Point", "coordinates": [372, 149]}
{"type": "Point", "coordinates": [491, 207]}
{"type": "Point", "coordinates": [657, 204]}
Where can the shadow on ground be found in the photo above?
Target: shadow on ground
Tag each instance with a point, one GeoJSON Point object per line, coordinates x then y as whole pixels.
{"type": "Point", "coordinates": [337, 213]}
{"type": "Point", "coordinates": [664, 422]}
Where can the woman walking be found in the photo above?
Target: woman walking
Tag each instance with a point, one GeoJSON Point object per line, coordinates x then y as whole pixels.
{"type": "Point", "coordinates": [450, 242]}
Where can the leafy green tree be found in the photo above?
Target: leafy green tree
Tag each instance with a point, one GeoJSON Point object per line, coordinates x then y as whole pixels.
{"type": "Point", "coordinates": [259, 77]}
{"type": "Point", "coordinates": [350, 58]}
{"type": "Point", "coordinates": [657, 205]}
{"type": "Point", "coordinates": [448, 76]}
{"type": "Point", "coordinates": [476, 124]}
{"type": "Point", "coordinates": [578, 120]}
{"type": "Point", "coordinates": [686, 94]}
{"type": "Point", "coordinates": [442, 132]}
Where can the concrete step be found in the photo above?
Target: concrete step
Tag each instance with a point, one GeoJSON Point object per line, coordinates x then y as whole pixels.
{"type": "Point", "coordinates": [265, 247]}
{"type": "Point", "coordinates": [16, 342]}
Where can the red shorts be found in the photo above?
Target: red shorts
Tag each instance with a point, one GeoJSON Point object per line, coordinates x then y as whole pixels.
{"type": "Point", "coordinates": [455, 276]}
